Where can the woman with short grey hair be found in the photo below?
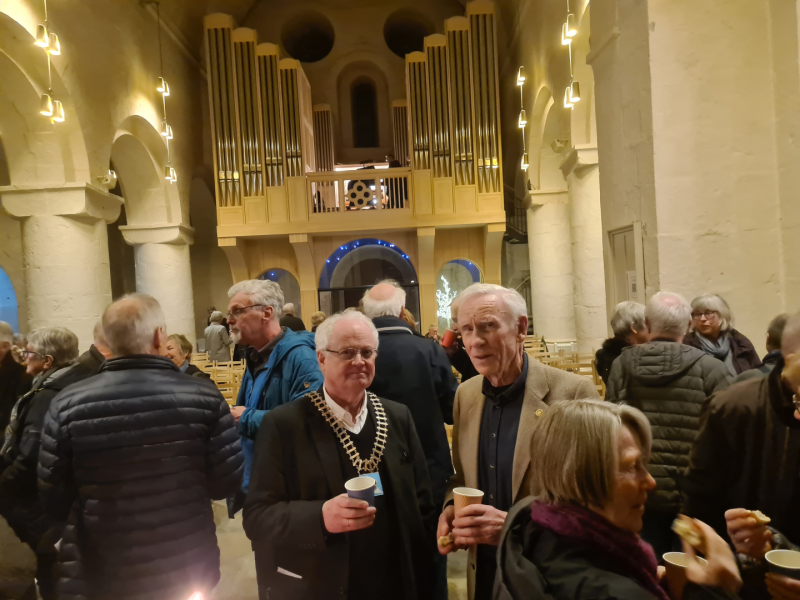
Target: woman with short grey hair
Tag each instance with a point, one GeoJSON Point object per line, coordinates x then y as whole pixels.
{"type": "Point", "coordinates": [578, 536]}
{"type": "Point", "coordinates": [218, 342]}
{"type": "Point", "coordinates": [629, 329]}
{"type": "Point", "coordinates": [713, 333]}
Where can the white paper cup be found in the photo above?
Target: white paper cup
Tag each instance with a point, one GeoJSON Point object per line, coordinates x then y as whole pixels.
{"type": "Point", "coordinates": [675, 564]}
{"type": "Point", "coordinates": [784, 562]}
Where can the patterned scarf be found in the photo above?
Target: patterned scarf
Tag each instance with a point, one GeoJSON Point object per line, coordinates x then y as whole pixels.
{"type": "Point", "coordinates": [633, 556]}
{"type": "Point", "coordinates": [721, 349]}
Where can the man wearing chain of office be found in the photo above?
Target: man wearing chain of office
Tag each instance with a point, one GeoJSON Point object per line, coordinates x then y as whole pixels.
{"type": "Point", "coordinates": [311, 540]}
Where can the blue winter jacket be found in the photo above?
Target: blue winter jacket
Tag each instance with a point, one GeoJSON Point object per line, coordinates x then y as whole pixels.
{"type": "Point", "coordinates": [290, 373]}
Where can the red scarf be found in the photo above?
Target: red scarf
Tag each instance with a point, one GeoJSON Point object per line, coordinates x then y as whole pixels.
{"type": "Point", "coordinates": [634, 557]}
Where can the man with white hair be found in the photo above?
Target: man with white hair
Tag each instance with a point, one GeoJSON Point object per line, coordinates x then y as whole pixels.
{"type": "Point", "coordinates": [493, 421]}
{"type": "Point", "coordinates": [281, 365]}
{"type": "Point", "coordinates": [14, 381]}
{"type": "Point", "coordinates": [313, 541]}
{"type": "Point", "coordinates": [131, 459]}
{"type": "Point", "coordinates": [413, 371]}
{"type": "Point", "coordinates": [290, 320]}
{"type": "Point", "coordinates": [669, 382]}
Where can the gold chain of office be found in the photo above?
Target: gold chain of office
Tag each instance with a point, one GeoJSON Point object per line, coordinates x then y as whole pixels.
{"type": "Point", "coordinates": [369, 465]}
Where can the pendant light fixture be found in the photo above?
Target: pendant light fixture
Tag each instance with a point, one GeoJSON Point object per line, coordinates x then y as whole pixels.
{"type": "Point", "coordinates": [569, 30]}
{"type": "Point", "coordinates": [523, 119]}
{"type": "Point", "coordinates": [162, 87]}
{"type": "Point", "coordinates": [575, 92]}
{"type": "Point", "coordinates": [524, 163]}
{"type": "Point", "coordinates": [567, 103]}
{"type": "Point", "coordinates": [46, 39]}
{"type": "Point", "coordinates": [521, 76]}
{"type": "Point", "coordinates": [569, 27]}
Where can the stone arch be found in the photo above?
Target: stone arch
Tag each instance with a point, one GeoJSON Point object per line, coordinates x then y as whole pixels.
{"type": "Point", "coordinates": [351, 259]}
{"type": "Point", "coordinates": [539, 112]}
{"type": "Point", "coordinates": [289, 285]}
{"type": "Point", "coordinates": [139, 155]}
{"type": "Point", "coordinates": [38, 151]}
{"type": "Point", "coordinates": [351, 74]}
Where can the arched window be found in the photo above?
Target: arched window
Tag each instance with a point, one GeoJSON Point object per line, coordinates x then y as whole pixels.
{"type": "Point", "coordinates": [363, 102]}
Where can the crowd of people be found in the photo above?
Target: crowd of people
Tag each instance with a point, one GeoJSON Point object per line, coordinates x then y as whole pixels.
{"type": "Point", "coordinates": [111, 458]}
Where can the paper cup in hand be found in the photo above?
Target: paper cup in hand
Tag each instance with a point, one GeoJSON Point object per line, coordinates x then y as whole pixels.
{"type": "Point", "coordinates": [449, 338]}
{"type": "Point", "coordinates": [362, 488]}
{"type": "Point", "coordinates": [675, 564]}
{"type": "Point", "coordinates": [463, 497]}
{"type": "Point", "coordinates": [784, 562]}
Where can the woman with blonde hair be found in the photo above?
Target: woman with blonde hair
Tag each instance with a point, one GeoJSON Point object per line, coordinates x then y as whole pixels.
{"type": "Point", "coordinates": [179, 351]}
{"type": "Point", "coordinates": [578, 538]}
{"type": "Point", "coordinates": [712, 332]}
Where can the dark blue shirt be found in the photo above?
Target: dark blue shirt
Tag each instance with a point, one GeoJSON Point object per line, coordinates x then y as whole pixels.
{"type": "Point", "coordinates": [498, 438]}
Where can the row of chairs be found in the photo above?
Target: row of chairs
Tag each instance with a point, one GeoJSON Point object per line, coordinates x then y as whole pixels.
{"type": "Point", "coordinates": [227, 376]}
{"type": "Point", "coordinates": [566, 359]}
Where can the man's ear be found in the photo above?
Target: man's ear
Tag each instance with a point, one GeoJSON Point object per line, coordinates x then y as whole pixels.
{"type": "Point", "coordinates": [321, 360]}
{"type": "Point", "coordinates": [48, 362]}
{"type": "Point", "coordinates": [269, 312]}
{"type": "Point", "coordinates": [402, 311]}
{"type": "Point", "coordinates": [522, 328]}
{"type": "Point", "coordinates": [160, 342]}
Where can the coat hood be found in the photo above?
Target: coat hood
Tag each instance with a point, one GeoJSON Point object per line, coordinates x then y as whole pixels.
{"type": "Point", "coordinates": [657, 363]}
{"type": "Point", "coordinates": [291, 340]}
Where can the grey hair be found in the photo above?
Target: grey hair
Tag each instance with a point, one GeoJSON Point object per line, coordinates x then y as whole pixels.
{"type": "Point", "coordinates": [216, 317]}
{"type": "Point", "coordinates": [775, 332]}
{"type": "Point", "coordinates": [288, 309]}
{"type": "Point", "coordinates": [512, 298]}
{"type": "Point", "coordinates": [58, 342]}
{"type": "Point", "coordinates": [98, 335]}
{"type": "Point", "coordinates": [391, 307]}
{"type": "Point", "coordinates": [717, 304]}
{"type": "Point", "coordinates": [261, 291]}
{"type": "Point", "coordinates": [455, 305]}
{"type": "Point", "coordinates": [668, 313]}
{"type": "Point", "coordinates": [130, 326]}
{"type": "Point", "coordinates": [317, 318]}
{"type": "Point", "coordinates": [627, 315]}
{"type": "Point", "coordinates": [790, 343]}
{"type": "Point", "coordinates": [6, 333]}
{"type": "Point", "coordinates": [574, 453]}
{"type": "Point", "coordinates": [183, 343]}
{"type": "Point", "coordinates": [325, 329]}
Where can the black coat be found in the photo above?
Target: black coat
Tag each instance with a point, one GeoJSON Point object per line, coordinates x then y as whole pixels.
{"type": "Point", "coordinates": [415, 372]}
{"type": "Point", "coordinates": [193, 371]}
{"type": "Point", "coordinates": [669, 383]}
{"type": "Point", "coordinates": [462, 363]}
{"type": "Point", "coordinates": [19, 497]}
{"type": "Point", "coordinates": [133, 457]}
{"type": "Point", "coordinates": [293, 323]}
{"type": "Point", "coordinates": [608, 353]}
{"type": "Point", "coordinates": [745, 356]}
{"type": "Point", "coordinates": [14, 382]}
{"type": "Point", "coordinates": [295, 471]}
{"type": "Point", "coordinates": [536, 564]}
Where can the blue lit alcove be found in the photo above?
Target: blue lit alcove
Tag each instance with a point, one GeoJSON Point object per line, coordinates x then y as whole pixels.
{"type": "Point", "coordinates": [289, 286]}
{"type": "Point", "coordinates": [9, 311]}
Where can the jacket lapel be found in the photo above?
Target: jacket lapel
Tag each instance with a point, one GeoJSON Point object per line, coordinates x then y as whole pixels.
{"type": "Point", "coordinates": [536, 390]}
{"type": "Point", "coordinates": [325, 443]}
{"type": "Point", "coordinates": [471, 434]}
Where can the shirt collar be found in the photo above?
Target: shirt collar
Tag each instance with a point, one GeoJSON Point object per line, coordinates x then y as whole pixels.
{"type": "Point", "coordinates": [261, 357]}
{"type": "Point", "coordinates": [184, 366]}
{"type": "Point", "coordinates": [508, 393]}
{"type": "Point", "coordinates": [344, 417]}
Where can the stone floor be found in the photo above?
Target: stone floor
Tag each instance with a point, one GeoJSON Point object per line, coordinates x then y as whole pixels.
{"type": "Point", "coordinates": [238, 580]}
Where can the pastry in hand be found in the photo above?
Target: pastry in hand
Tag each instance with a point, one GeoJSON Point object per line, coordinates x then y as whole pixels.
{"type": "Point", "coordinates": [760, 517]}
{"type": "Point", "coordinates": [446, 540]}
{"type": "Point", "coordinates": [689, 532]}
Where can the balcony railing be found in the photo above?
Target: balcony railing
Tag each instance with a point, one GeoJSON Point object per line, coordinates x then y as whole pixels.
{"type": "Point", "coordinates": [362, 189]}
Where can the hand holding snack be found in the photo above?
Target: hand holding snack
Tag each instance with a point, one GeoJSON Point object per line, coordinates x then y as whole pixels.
{"type": "Point", "coordinates": [444, 531]}
{"type": "Point", "coordinates": [688, 530]}
{"type": "Point", "coordinates": [721, 570]}
{"type": "Point", "coordinates": [747, 530]}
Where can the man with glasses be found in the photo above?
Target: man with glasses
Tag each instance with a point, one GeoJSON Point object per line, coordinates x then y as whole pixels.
{"type": "Point", "coordinates": [281, 364]}
{"type": "Point", "coordinates": [310, 539]}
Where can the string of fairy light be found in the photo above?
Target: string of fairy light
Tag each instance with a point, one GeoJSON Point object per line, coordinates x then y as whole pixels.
{"type": "Point", "coordinates": [163, 88]}
{"type": "Point", "coordinates": [572, 93]}
{"type": "Point", "coordinates": [49, 105]}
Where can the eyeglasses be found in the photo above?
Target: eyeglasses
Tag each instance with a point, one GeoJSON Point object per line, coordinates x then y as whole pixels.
{"type": "Point", "coordinates": [28, 353]}
{"type": "Point", "coordinates": [351, 353]}
{"type": "Point", "coordinates": [238, 312]}
{"type": "Point", "coordinates": [707, 314]}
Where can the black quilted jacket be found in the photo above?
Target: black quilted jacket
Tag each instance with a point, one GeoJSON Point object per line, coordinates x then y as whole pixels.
{"type": "Point", "coordinates": [669, 383]}
{"type": "Point", "coordinates": [131, 459]}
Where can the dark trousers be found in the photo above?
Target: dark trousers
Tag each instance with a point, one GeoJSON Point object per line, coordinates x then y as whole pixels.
{"type": "Point", "coordinates": [657, 531]}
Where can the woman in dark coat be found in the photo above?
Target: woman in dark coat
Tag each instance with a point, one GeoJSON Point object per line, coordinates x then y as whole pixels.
{"type": "Point", "coordinates": [713, 333]}
{"type": "Point", "coordinates": [179, 351]}
{"type": "Point", "coordinates": [577, 538]}
{"type": "Point", "coordinates": [629, 329]}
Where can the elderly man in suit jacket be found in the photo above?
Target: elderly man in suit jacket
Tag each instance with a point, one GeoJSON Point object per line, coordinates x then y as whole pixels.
{"type": "Point", "coordinates": [494, 417]}
{"type": "Point", "coordinates": [313, 542]}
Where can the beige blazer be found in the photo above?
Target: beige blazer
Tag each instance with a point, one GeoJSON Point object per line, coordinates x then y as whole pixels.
{"type": "Point", "coordinates": [544, 386]}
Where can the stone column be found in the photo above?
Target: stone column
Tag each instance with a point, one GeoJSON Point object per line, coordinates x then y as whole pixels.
{"type": "Point", "coordinates": [309, 292]}
{"type": "Point", "coordinates": [65, 253]}
{"type": "Point", "coordinates": [582, 173]}
{"type": "Point", "coordinates": [426, 276]}
{"type": "Point", "coordinates": [549, 243]}
{"type": "Point", "coordinates": [163, 270]}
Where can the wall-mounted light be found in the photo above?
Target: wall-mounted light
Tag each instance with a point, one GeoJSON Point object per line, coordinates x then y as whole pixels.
{"type": "Point", "coordinates": [565, 39]}
{"type": "Point", "coordinates": [58, 112]}
{"type": "Point", "coordinates": [523, 119]}
{"type": "Point", "coordinates": [168, 173]}
{"type": "Point", "coordinates": [46, 105]}
{"type": "Point", "coordinates": [173, 174]}
{"type": "Point", "coordinates": [521, 76]}
{"type": "Point", "coordinates": [53, 45]}
{"type": "Point", "coordinates": [42, 39]}
{"type": "Point", "coordinates": [164, 129]}
{"type": "Point", "coordinates": [570, 30]}
{"type": "Point", "coordinates": [524, 163]}
{"type": "Point", "coordinates": [567, 103]}
{"type": "Point", "coordinates": [169, 131]}
{"type": "Point", "coordinates": [575, 92]}
{"type": "Point", "coordinates": [163, 86]}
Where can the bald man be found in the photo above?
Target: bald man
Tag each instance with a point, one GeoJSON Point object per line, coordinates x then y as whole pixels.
{"type": "Point", "coordinates": [413, 371]}
{"type": "Point", "coordinates": [89, 362]}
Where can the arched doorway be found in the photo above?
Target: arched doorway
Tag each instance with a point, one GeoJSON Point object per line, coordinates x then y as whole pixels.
{"type": "Point", "coordinates": [358, 265]}
{"type": "Point", "coordinates": [289, 286]}
{"type": "Point", "coordinates": [453, 278]}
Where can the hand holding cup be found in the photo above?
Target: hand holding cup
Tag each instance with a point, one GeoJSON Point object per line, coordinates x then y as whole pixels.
{"type": "Point", "coordinates": [341, 514]}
